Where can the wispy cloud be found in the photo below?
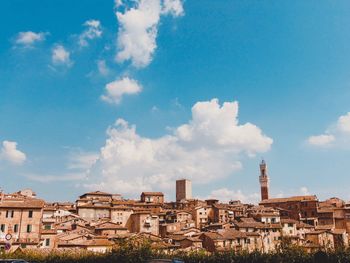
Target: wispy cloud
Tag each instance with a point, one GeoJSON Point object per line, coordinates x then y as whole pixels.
{"type": "Point", "coordinates": [93, 30]}
{"type": "Point", "coordinates": [29, 38]}
{"type": "Point", "coordinates": [103, 68]}
{"type": "Point", "coordinates": [226, 195]}
{"type": "Point", "coordinates": [321, 140]}
{"type": "Point", "coordinates": [80, 160]}
{"type": "Point", "coordinates": [337, 134]}
{"type": "Point", "coordinates": [54, 178]}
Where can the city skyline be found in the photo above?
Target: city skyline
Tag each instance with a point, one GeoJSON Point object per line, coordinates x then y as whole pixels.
{"type": "Point", "coordinates": [128, 96]}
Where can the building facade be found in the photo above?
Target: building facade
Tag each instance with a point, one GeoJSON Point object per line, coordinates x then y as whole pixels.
{"type": "Point", "coordinates": [183, 190]}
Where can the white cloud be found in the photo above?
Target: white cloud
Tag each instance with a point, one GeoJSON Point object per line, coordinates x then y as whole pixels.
{"type": "Point", "coordinates": [304, 191]}
{"type": "Point", "coordinates": [173, 7]}
{"type": "Point", "coordinates": [60, 56]}
{"type": "Point", "coordinates": [337, 134]}
{"type": "Point", "coordinates": [118, 3]}
{"type": "Point", "coordinates": [93, 30]}
{"type": "Point", "coordinates": [117, 89]}
{"type": "Point", "coordinates": [218, 127]}
{"type": "Point", "coordinates": [226, 195]}
{"type": "Point", "coordinates": [206, 149]}
{"type": "Point", "coordinates": [10, 153]}
{"type": "Point", "coordinates": [28, 38]}
{"type": "Point", "coordinates": [138, 28]}
{"type": "Point", "coordinates": [102, 67]}
{"type": "Point", "coordinates": [321, 140]}
{"type": "Point", "coordinates": [344, 123]}
{"type": "Point", "coordinates": [81, 160]}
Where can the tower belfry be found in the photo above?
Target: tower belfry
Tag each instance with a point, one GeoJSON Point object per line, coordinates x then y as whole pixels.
{"type": "Point", "coordinates": [264, 181]}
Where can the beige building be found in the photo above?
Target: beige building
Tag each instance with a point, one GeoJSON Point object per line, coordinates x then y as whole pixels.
{"type": "Point", "coordinates": [152, 197]}
{"type": "Point", "coordinates": [20, 216]}
{"type": "Point", "coordinates": [121, 215]}
{"type": "Point", "coordinates": [94, 205]}
{"type": "Point", "coordinates": [183, 190]}
{"type": "Point", "coordinates": [183, 216]}
{"type": "Point", "coordinates": [289, 227]}
{"type": "Point", "coordinates": [109, 229]}
{"type": "Point", "coordinates": [94, 212]}
{"type": "Point", "coordinates": [200, 216]}
{"type": "Point", "coordinates": [144, 222]}
{"type": "Point", "coordinates": [230, 240]}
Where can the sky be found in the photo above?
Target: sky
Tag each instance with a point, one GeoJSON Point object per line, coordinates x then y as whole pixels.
{"type": "Point", "coordinates": [128, 96]}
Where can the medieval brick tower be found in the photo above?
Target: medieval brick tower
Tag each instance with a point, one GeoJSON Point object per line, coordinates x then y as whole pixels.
{"type": "Point", "coordinates": [264, 181]}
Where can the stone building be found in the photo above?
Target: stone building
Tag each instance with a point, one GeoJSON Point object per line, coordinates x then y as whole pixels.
{"type": "Point", "coordinates": [144, 222]}
{"type": "Point", "coordinates": [230, 240]}
{"type": "Point", "coordinates": [94, 205]}
{"type": "Point", "coordinates": [183, 190]}
{"type": "Point", "coordinates": [152, 197]}
{"type": "Point", "coordinates": [301, 208]}
{"type": "Point", "coordinates": [200, 215]}
{"type": "Point", "coordinates": [121, 214]}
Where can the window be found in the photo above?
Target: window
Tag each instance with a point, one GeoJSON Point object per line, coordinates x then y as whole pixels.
{"type": "Point", "coordinates": [290, 225]}
{"type": "Point", "coordinates": [30, 214]}
{"type": "Point", "coordinates": [9, 213]}
{"type": "Point", "coordinates": [2, 227]}
{"type": "Point", "coordinates": [47, 227]}
{"type": "Point", "coordinates": [47, 242]}
{"type": "Point", "coordinates": [15, 228]}
{"type": "Point", "coordinates": [29, 228]}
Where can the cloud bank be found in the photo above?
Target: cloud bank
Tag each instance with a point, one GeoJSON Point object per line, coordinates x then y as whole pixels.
{"type": "Point", "coordinates": [205, 149]}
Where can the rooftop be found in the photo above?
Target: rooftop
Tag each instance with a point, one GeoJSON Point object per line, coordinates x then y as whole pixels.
{"type": "Point", "coordinates": [290, 199]}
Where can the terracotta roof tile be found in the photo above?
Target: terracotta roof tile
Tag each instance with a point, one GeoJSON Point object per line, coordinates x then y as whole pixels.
{"type": "Point", "coordinates": [152, 193]}
{"type": "Point", "coordinates": [290, 199]}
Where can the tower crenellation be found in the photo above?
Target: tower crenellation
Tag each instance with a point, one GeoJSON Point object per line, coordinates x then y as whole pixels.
{"type": "Point", "coordinates": [264, 181]}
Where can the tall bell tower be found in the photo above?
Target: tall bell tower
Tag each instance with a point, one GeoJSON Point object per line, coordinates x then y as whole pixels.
{"type": "Point", "coordinates": [264, 181]}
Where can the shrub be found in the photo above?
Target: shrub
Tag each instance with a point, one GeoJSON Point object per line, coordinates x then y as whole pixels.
{"type": "Point", "coordinates": [129, 253]}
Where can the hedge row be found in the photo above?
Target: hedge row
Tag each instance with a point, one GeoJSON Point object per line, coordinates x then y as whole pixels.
{"type": "Point", "coordinates": [129, 254]}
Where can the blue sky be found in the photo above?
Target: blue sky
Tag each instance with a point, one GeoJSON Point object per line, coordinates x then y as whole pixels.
{"type": "Point", "coordinates": [70, 69]}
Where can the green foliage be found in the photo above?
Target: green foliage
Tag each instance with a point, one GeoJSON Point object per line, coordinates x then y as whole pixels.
{"type": "Point", "coordinates": [131, 253]}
